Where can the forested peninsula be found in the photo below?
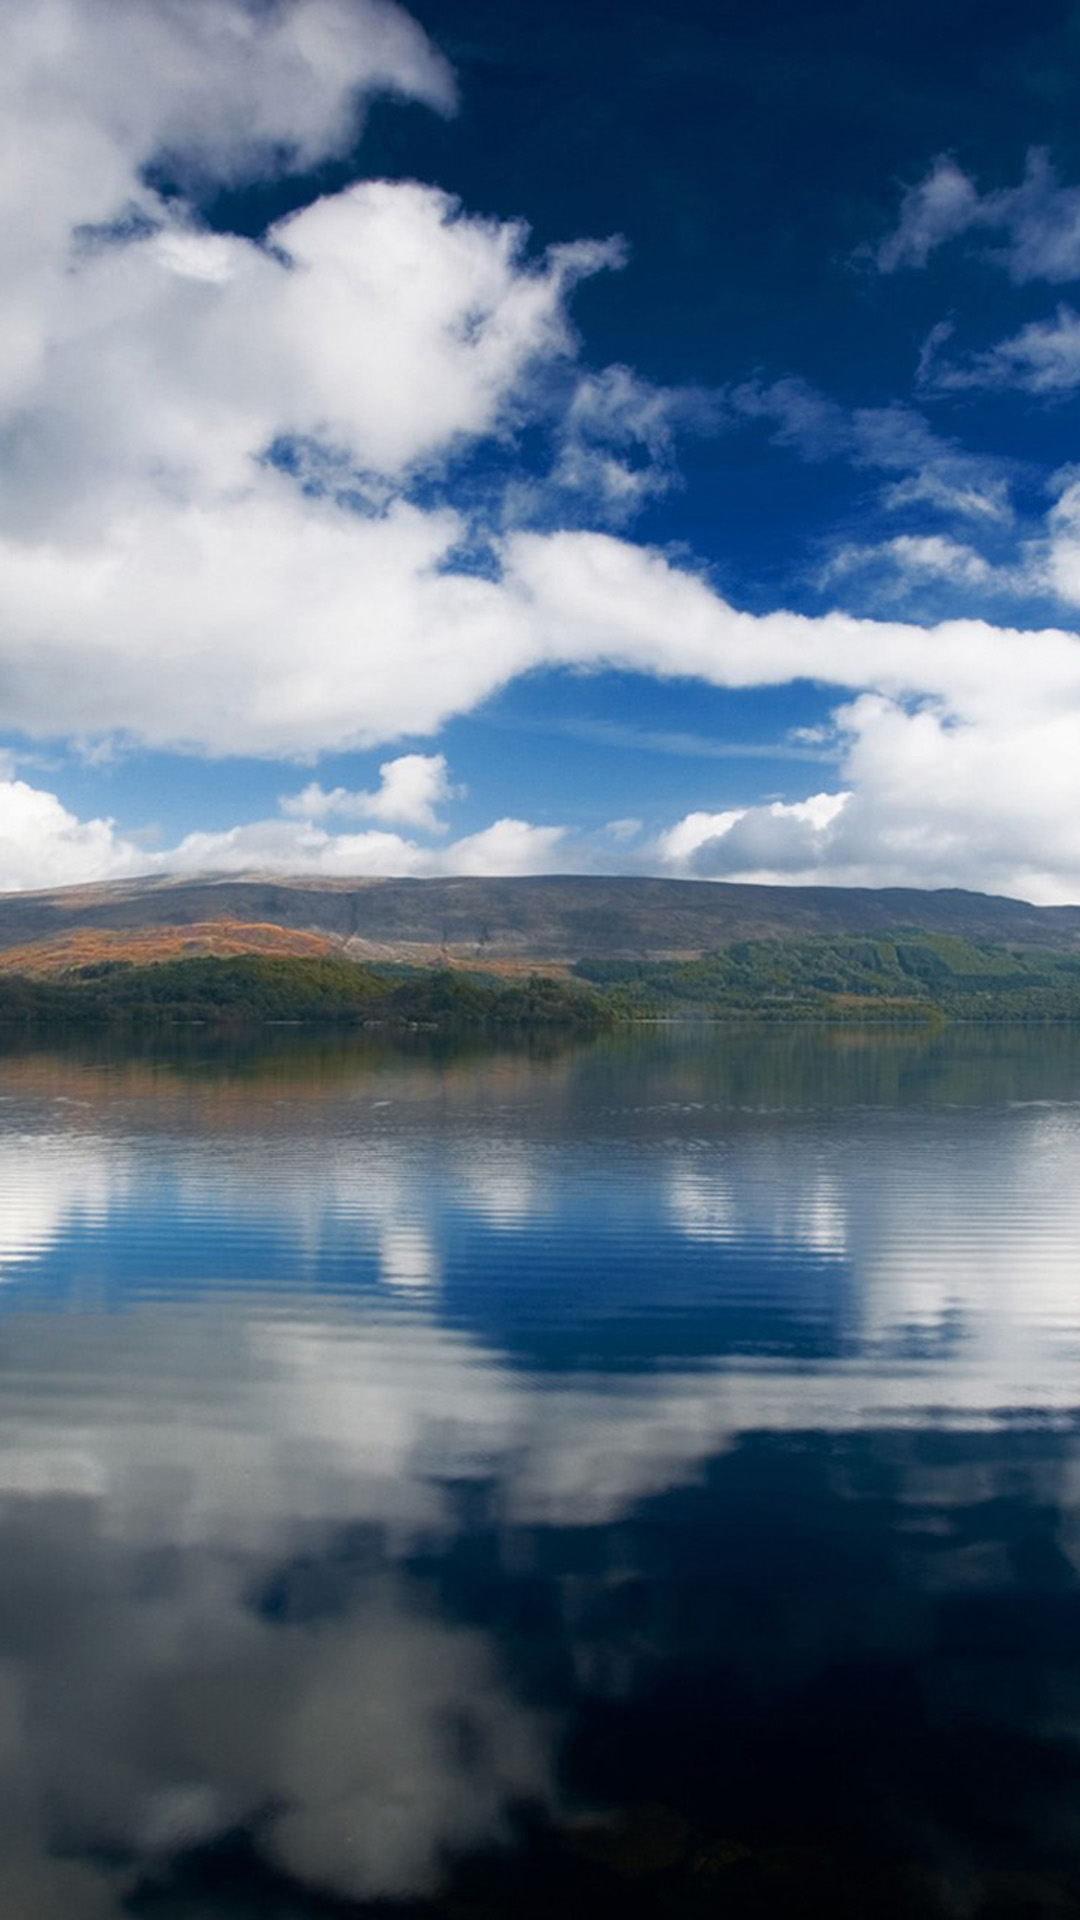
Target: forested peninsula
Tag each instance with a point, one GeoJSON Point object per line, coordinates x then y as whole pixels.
{"type": "Point", "coordinates": [905, 976]}
{"type": "Point", "coordinates": [247, 988]}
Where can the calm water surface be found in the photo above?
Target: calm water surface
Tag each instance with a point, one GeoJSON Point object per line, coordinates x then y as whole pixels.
{"type": "Point", "coordinates": [636, 1478]}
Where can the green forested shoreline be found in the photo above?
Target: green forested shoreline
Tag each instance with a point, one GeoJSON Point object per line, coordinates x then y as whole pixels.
{"type": "Point", "coordinates": [902, 977]}
{"type": "Point", "coordinates": [909, 974]}
{"type": "Point", "coordinates": [265, 987]}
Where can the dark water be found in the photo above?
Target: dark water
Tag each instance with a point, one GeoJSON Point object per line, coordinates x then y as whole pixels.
{"type": "Point", "coordinates": [641, 1478]}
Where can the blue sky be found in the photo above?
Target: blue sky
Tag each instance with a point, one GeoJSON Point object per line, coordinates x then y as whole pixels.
{"type": "Point", "coordinates": [541, 438]}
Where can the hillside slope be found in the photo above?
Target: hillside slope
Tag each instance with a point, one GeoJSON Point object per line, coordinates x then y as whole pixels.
{"type": "Point", "coordinates": [482, 921]}
{"type": "Point", "coordinates": [88, 945]}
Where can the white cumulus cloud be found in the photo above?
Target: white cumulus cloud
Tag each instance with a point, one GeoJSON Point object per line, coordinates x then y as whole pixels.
{"type": "Point", "coordinates": [180, 409]}
{"type": "Point", "coordinates": [775, 840]}
{"type": "Point", "coordinates": [42, 844]}
{"type": "Point", "coordinates": [927, 801]}
{"type": "Point", "coordinates": [410, 789]}
{"type": "Point", "coordinates": [293, 846]}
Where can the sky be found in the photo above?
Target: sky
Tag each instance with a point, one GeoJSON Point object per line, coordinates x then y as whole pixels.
{"type": "Point", "coordinates": [623, 437]}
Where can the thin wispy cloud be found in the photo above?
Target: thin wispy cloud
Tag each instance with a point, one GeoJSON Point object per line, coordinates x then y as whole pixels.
{"type": "Point", "coordinates": [698, 746]}
{"type": "Point", "coordinates": [1034, 226]}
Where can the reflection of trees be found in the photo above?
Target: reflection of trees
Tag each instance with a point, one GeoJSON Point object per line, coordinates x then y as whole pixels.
{"type": "Point", "coordinates": [831, 1067]}
{"type": "Point", "coordinates": [217, 1077]}
{"type": "Point", "coordinates": [630, 1081]}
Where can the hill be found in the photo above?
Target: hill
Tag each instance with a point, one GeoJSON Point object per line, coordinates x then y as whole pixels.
{"type": "Point", "coordinates": [502, 924]}
{"type": "Point", "coordinates": [491, 952]}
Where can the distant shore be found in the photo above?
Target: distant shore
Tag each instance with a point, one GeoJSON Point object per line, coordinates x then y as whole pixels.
{"type": "Point", "coordinates": [905, 978]}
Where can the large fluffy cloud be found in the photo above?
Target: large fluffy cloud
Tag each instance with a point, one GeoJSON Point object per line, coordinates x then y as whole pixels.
{"type": "Point", "coordinates": [192, 420]}
{"type": "Point", "coordinates": [927, 800]}
{"type": "Point", "coordinates": [230, 589]}
{"type": "Point", "coordinates": [43, 844]}
{"type": "Point", "coordinates": [93, 91]}
{"type": "Point", "coordinates": [962, 753]}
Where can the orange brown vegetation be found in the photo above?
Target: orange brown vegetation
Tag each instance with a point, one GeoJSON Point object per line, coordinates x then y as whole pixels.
{"type": "Point", "coordinates": [142, 946]}
{"type": "Point", "coordinates": [220, 939]}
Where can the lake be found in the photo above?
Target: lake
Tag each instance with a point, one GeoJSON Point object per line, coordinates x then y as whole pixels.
{"type": "Point", "coordinates": [634, 1476]}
